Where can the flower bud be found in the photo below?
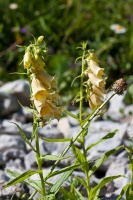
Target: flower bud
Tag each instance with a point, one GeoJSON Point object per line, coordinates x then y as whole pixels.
{"type": "Point", "coordinates": [40, 39]}
{"type": "Point", "coordinates": [27, 59]}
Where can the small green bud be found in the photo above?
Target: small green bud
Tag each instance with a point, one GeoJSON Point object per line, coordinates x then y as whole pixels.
{"type": "Point", "coordinates": [40, 39]}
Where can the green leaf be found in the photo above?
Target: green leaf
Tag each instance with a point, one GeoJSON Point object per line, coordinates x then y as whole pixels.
{"type": "Point", "coordinates": [102, 159]}
{"type": "Point", "coordinates": [33, 183]}
{"type": "Point", "coordinates": [82, 181]}
{"type": "Point", "coordinates": [67, 194]}
{"type": "Point", "coordinates": [19, 178]}
{"type": "Point", "coordinates": [23, 136]}
{"type": "Point", "coordinates": [70, 114]}
{"type": "Point", "coordinates": [65, 169]}
{"type": "Point", "coordinates": [27, 109]}
{"type": "Point", "coordinates": [53, 157]}
{"type": "Point", "coordinates": [79, 156]}
{"type": "Point", "coordinates": [60, 181]}
{"type": "Point", "coordinates": [57, 140]}
{"type": "Point", "coordinates": [106, 137]}
{"type": "Point", "coordinates": [123, 191]}
{"type": "Point", "coordinates": [79, 194]}
{"type": "Point", "coordinates": [103, 182]}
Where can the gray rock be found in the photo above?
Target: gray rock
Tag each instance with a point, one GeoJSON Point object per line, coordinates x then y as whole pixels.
{"type": "Point", "coordinates": [7, 142]}
{"type": "Point", "coordinates": [50, 132]}
{"type": "Point", "coordinates": [73, 121]}
{"type": "Point", "coordinates": [13, 153]}
{"type": "Point", "coordinates": [64, 126]}
{"type": "Point", "coordinates": [20, 89]}
{"type": "Point", "coordinates": [116, 108]}
{"type": "Point", "coordinates": [119, 167]}
{"type": "Point", "coordinates": [8, 104]}
{"type": "Point", "coordinates": [99, 129]}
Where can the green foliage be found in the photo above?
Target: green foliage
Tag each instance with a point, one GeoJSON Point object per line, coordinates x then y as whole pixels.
{"type": "Point", "coordinates": [64, 25]}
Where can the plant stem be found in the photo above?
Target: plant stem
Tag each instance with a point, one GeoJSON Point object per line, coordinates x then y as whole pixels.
{"type": "Point", "coordinates": [81, 86]}
{"type": "Point", "coordinates": [86, 124]}
{"type": "Point", "coordinates": [38, 159]}
{"type": "Point", "coordinates": [86, 168]}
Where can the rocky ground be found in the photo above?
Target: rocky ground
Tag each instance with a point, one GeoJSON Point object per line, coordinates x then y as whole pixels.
{"type": "Point", "coordinates": [16, 155]}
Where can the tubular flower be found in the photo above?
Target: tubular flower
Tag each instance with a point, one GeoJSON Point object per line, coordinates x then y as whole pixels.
{"type": "Point", "coordinates": [46, 100]}
{"type": "Point", "coordinates": [43, 86]}
{"type": "Point", "coordinates": [96, 82]}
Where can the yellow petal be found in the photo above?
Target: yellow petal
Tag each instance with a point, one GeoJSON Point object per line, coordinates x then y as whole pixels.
{"type": "Point", "coordinates": [46, 79]}
{"type": "Point", "coordinates": [96, 69]}
{"type": "Point", "coordinates": [96, 81]}
{"type": "Point", "coordinates": [95, 99]}
{"type": "Point", "coordinates": [98, 91]}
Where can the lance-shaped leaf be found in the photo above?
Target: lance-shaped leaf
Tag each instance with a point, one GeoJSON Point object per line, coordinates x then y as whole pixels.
{"type": "Point", "coordinates": [102, 159]}
{"type": "Point", "coordinates": [106, 137]}
{"type": "Point", "coordinates": [20, 178]}
{"type": "Point", "coordinates": [96, 190]}
{"type": "Point", "coordinates": [24, 136]}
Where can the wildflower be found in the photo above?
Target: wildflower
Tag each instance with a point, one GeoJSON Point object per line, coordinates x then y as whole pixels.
{"type": "Point", "coordinates": [44, 88]}
{"type": "Point", "coordinates": [23, 30]}
{"type": "Point", "coordinates": [118, 29]}
{"type": "Point", "coordinates": [13, 6]}
{"type": "Point", "coordinates": [96, 82]}
{"type": "Point", "coordinates": [46, 100]}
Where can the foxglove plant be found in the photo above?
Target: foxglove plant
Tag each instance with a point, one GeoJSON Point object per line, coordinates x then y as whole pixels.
{"type": "Point", "coordinates": [46, 105]}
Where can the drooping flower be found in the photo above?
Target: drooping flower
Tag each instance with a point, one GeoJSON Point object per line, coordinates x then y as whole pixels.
{"type": "Point", "coordinates": [96, 82]}
{"type": "Point", "coordinates": [45, 94]}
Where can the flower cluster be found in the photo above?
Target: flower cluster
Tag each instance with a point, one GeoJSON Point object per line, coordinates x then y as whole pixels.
{"type": "Point", "coordinates": [96, 82]}
{"type": "Point", "coordinates": [44, 89]}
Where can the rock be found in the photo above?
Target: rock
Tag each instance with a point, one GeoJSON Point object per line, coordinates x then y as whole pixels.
{"type": "Point", "coordinates": [8, 104]}
{"type": "Point", "coordinates": [50, 132]}
{"type": "Point", "coordinates": [64, 126]}
{"type": "Point", "coordinates": [13, 153]}
{"type": "Point", "coordinates": [20, 89]}
{"type": "Point", "coordinates": [119, 167]}
{"type": "Point", "coordinates": [8, 142]}
{"type": "Point", "coordinates": [73, 121]}
{"type": "Point", "coordinates": [115, 111]}
{"type": "Point", "coordinates": [99, 129]}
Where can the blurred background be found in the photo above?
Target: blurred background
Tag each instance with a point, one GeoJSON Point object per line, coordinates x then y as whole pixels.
{"type": "Point", "coordinates": [106, 25]}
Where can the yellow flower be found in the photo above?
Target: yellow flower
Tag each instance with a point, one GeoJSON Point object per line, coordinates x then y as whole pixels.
{"type": "Point", "coordinates": [47, 110]}
{"type": "Point", "coordinates": [100, 92]}
{"type": "Point", "coordinates": [96, 81]}
{"type": "Point", "coordinates": [39, 92]}
{"type": "Point", "coordinates": [46, 79]}
{"type": "Point", "coordinates": [94, 100]}
{"type": "Point", "coordinates": [46, 101]}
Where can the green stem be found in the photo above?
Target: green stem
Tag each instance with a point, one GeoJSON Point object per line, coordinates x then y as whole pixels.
{"type": "Point", "coordinates": [38, 156]}
{"type": "Point", "coordinates": [35, 133]}
{"type": "Point", "coordinates": [86, 124]}
{"type": "Point", "coordinates": [86, 169]}
{"type": "Point", "coordinates": [81, 87]}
